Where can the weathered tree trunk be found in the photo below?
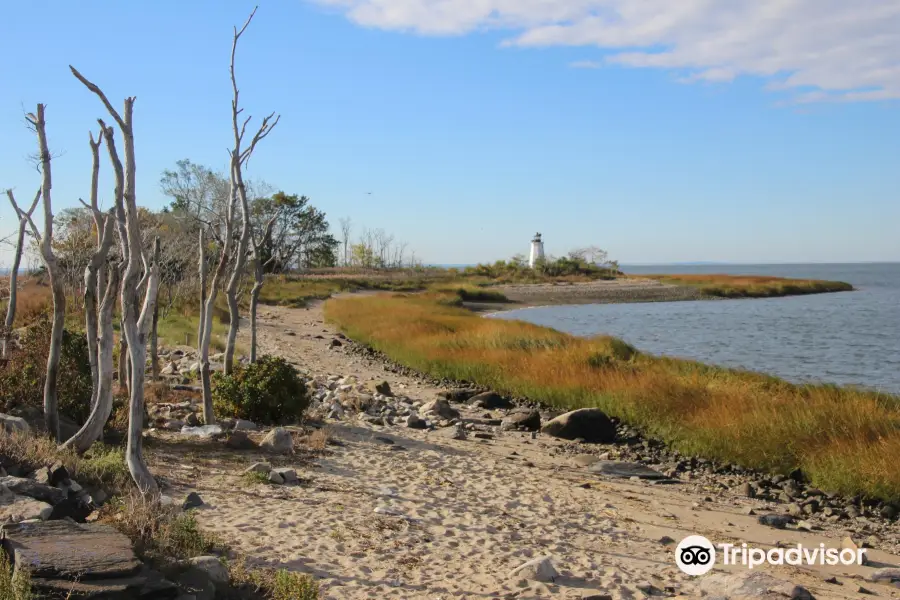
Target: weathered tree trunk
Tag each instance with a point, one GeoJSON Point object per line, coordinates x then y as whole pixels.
{"type": "Point", "coordinates": [96, 421]}
{"type": "Point", "coordinates": [202, 268]}
{"type": "Point", "coordinates": [154, 344]}
{"type": "Point", "coordinates": [123, 360]}
{"type": "Point", "coordinates": [136, 324]}
{"type": "Point", "coordinates": [24, 219]}
{"type": "Point", "coordinates": [51, 401]}
{"type": "Point", "coordinates": [239, 157]}
{"type": "Point", "coordinates": [207, 315]}
{"type": "Point", "coordinates": [259, 278]}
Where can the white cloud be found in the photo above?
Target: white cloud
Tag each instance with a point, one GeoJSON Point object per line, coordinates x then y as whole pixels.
{"type": "Point", "coordinates": [585, 64]}
{"type": "Point", "coordinates": [824, 50]}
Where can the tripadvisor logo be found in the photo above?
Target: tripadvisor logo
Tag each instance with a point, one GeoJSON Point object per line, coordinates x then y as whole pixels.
{"type": "Point", "coordinates": [696, 555]}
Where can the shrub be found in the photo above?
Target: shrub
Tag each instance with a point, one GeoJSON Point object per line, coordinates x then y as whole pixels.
{"type": "Point", "coordinates": [289, 585]}
{"type": "Point", "coordinates": [267, 391]}
{"type": "Point", "coordinates": [161, 530]}
{"type": "Point", "coordinates": [16, 585]}
{"type": "Point", "coordinates": [22, 377]}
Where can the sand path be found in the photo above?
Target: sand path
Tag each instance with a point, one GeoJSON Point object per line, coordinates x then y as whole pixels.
{"type": "Point", "coordinates": [457, 516]}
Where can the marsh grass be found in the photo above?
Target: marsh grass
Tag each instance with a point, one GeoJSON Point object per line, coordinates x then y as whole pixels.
{"type": "Point", "coordinates": [842, 438]}
{"type": "Point", "coordinates": [753, 286]}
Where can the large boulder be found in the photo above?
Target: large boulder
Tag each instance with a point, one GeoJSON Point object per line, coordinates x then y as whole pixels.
{"type": "Point", "coordinates": [11, 424]}
{"type": "Point", "coordinates": [278, 440]}
{"type": "Point", "coordinates": [521, 420]}
{"type": "Point", "coordinates": [589, 424]}
{"type": "Point", "coordinates": [490, 401]}
{"type": "Point", "coordinates": [15, 508]}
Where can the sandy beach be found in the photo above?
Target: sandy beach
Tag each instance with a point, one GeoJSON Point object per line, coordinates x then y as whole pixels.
{"type": "Point", "coordinates": [392, 512]}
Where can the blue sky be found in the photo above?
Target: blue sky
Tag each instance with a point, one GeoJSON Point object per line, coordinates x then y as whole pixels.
{"type": "Point", "coordinates": [716, 130]}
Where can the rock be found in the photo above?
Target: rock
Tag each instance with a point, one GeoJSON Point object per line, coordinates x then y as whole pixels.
{"type": "Point", "coordinates": [173, 425]}
{"type": "Point", "coordinates": [335, 344]}
{"type": "Point", "coordinates": [15, 508]}
{"type": "Point", "coordinates": [198, 583]}
{"type": "Point", "coordinates": [490, 401]}
{"type": "Point", "coordinates": [747, 489]}
{"type": "Point", "coordinates": [455, 433]}
{"type": "Point", "coordinates": [591, 424]}
{"type": "Point", "coordinates": [798, 592]}
{"type": "Point", "coordinates": [65, 550]}
{"type": "Point", "coordinates": [458, 394]}
{"type": "Point", "coordinates": [754, 584]}
{"type": "Point", "coordinates": [625, 470]}
{"type": "Point", "coordinates": [384, 388]}
{"type": "Point", "coordinates": [848, 544]}
{"type": "Point", "coordinates": [42, 475]}
{"type": "Point", "coordinates": [33, 489]}
{"type": "Point", "coordinates": [212, 566]}
{"type": "Point", "coordinates": [414, 421]}
{"type": "Point", "coordinates": [278, 440]}
{"type": "Point", "coordinates": [59, 474]}
{"type": "Point", "coordinates": [539, 569]}
{"type": "Point", "coordinates": [239, 440]}
{"type": "Point", "coordinates": [191, 420]}
{"type": "Point", "coordinates": [276, 478]}
{"type": "Point", "coordinates": [776, 521]}
{"type": "Point", "coordinates": [259, 467]}
{"type": "Point", "coordinates": [193, 500]}
{"type": "Point", "coordinates": [170, 369]}
{"type": "Point", "coordinates": [441, 408]}
{"type": "Point", "coordinates": [794, 510]}
{"type": "Point", "coordinates": [11, 424]}
{"type": "Point", "coordinates": [244, 425]}
{"type": "Point", "coordinates": [527, 420]}
{"type": "Point", "coordinates": [890, 575]}
{"type": "Point", "coordinates": [889, 512]}
{"type": "Point", "coordinates": [202, 431]}
{"type": "Point", "coordinates": [288, 475]}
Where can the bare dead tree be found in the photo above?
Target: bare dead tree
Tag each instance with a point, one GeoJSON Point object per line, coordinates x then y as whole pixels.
{"type": "Point", "coordinates": [258, 277]}
{"type": "Point", "coordinates": [346, 226]}
{"type": "Point", "coordinates": [45, 240]}
{"type": "Point", "coordinates": [203, 272]}
{"type": "Point", "coordinates": [98, 327]}
{"type": "Point", "coordinates": [239, 157]}
{"type": "Point", "coordinates": [138, 274]}
{"type": "Point", "coordinates": [24, 218]}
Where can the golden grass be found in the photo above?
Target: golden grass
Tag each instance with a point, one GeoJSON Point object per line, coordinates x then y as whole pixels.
{"type": "Point", "coordinates": [842, 438]}
{"type": "Point", "coordinates": [33, 298]}
{"type": "Point", "coordinates": [752, 286]}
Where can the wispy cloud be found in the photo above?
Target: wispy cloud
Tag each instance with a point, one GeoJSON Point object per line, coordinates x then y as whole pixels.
{"type": "Point", "coordinates": [585, 64]}
{"type": "Point", "coordinates": [824, 50]}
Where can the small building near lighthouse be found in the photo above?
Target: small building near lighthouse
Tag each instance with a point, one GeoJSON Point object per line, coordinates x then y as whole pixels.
{"type": "Point", "coordinates": [537, 250]}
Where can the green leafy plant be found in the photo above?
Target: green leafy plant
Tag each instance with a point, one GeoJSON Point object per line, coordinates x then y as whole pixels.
{"type": "Point", "coordinates": [22, 377]}
{"type": "Point", "coordinates": [267, 391]}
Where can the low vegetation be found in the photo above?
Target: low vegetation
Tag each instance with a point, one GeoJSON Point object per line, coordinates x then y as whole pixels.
{"type": "Point", "coordinates": [267, 391]}
{"type": "Point", "coordinates": [752, 286]}
{"type": "Point", "coordinates": [14, 584]}
{"type": "Point", "coordinates": [844, 439]}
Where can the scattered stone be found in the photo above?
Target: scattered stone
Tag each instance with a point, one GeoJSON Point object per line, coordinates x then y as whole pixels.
{"type": "Point", "coordinates": [59, 474]}
{"type": "Point", "coordinates": [625, 470]}
{"type": "Point", "coordinates": [798, 592]}
{"type": "Point", "coordinates": [202, 430]}
{"type": "Point", "coordinates": [539, 569]}
{"type": "Point", "coordinates": [336, 343]}
{"type": "Point", "coordinates": [527, 420]}
{"type": "Point", "coordinates": [866, 591]}
{"type": "Point", "coordinates": [441, 408]}
{"type": "Point", "coordinates": [458, 394]}
{"type": "Point", "coordinates": [278, 440]}
{"type": "Point", "coordinates": [414, 421]}
{"type": "Point", "coordinates": [833, 581]}
{"type": "Point", "coordinates": [585, 460]}
{"type": "Point", "coordinates": [276, 478]}
{"type": "Point", "coordinates": [848, 544]}
{"type": "Point", "coordinates": [384, 388]}
{"type": "Point", "coordinates": [33, 489]}
{"type": "Point", "coordinates": [193, 500]}
{"type": "Point", "coordinates": [245, 425]}
{"type": "Point", "coordinates": [776, 521]}
{"type": "Point", "coordinates": [260, 467]}
{"type": "Point", "coordinates": [890, 575]}
{"type": "Point", "coordinates": [490, 401]}
{"type": "Point", "coordinates": [287, 474]}
{"type": "Point", "coordinates": [15, 508]}
{"type": "Point", "coordinates": [666, 540]}
{"type": "Point", "coordinates": [239, 440]}
{"type": "Point", "coordinates": [482, 436]}
{"type": "Point", "coordinates": [591, 424]}
{"type": "Point", "coordinates": [11, 424]}
{"type": "Point", "coordinates": [212, 566]}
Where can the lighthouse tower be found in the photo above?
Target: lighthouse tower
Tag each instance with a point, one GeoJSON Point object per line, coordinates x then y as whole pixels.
{"type": "Point", "coordinates": [537, 250]}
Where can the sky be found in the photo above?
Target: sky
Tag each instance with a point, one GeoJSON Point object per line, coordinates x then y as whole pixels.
{"type": "Point", "coordinates": [660, 130]}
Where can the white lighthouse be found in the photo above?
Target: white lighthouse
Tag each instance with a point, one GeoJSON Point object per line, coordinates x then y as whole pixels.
{"type": "Point", "coordinates": [537, 250]}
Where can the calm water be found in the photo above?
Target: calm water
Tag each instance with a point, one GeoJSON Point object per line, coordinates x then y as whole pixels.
{"type": "Point", "coordinates": [845, 338]}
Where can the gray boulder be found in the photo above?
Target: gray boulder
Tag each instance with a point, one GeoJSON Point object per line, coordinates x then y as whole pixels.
{"type": "Point", "coordinates": [590, 424]}
{"type": "Point", "coordinates": [490, 401]}
{"type": "Point", "coordinates": [278, 440]}
{"type": "Point", "coordinates": [11, 424]}
{"type": "Point", "coordinates": [441, 408]}
{"type": "Point", "coordinates": [526, 419]}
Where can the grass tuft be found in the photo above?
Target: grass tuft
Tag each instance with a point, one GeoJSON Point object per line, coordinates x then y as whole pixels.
{"type": "Point", "coordinates": [14, 584]}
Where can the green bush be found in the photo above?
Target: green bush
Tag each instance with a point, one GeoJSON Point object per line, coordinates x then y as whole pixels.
{"type": "Point", "coordinates": [289, 585]}
{"type": "Point", "coordinates": [267, 391]}
{"type": "Point", "coordinates": [22, 377]}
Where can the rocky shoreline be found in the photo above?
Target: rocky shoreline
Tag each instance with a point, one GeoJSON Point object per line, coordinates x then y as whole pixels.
{"type": "Point", "coordinates": [788, 502]}
{"type": "Point", "coordinates": [614, 291]}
